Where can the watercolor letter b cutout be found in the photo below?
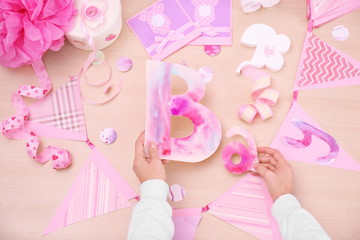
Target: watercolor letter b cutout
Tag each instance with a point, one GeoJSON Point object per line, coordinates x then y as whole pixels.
{"type": "Point", "coordinates": [205, 139]}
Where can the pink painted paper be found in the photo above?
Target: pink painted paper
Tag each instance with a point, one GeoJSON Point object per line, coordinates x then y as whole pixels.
{"type": "Point", "coordinates": [186, 221]}
{"type": "Point", "coordinates": [205, 139]}
{"type": "Point", "coordinates": [318, 148]}
{"type": "Point", "coordinates": [216, 27]}
{"type": "Point", "coordinates": [323, 66]}
{"type": "Point", "coordinates": [161, 39]}
{"type": "Point", "coordinates": [322, 11]}
{"type": "Point", "coordinates": [97, 190]}
{"type": "Point", "coordinates": [247, 206]}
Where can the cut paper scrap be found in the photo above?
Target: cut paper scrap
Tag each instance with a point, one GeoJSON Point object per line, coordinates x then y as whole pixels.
{"type": "Point", "coordinates": [317, 147]}
{"type": "Point", "coordinates": [248, 154]}
{"type": "Point", "coordinates": [163, 28]}
{"type": "Point", "coordinates": [97, 190]}
{"type": "Point", "coordinates": [323, 66]}
{"type": "Point", "coordinates": [17, 126]}
{"type": "Point", "coordinates": [253, 5]}
{"type": "Point", "coordinates": [213, 18]}
{"type": "Point", "coordinates": [322, 11]}
{"type": "Point", "coordinates": [186, 221]}
{"type": "Point", "coordinates": [247, 206]}
{"type": "Point", "coordinates": [206, 137]}
{"type": "Point", "coordinates": [269, 47]}
{"type": "Point", "coordinates": [261, 94]}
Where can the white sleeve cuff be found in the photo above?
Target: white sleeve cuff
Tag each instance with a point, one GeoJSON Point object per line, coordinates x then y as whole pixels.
{"type": "Point", "coordinates": [154, 188]}
{"type": "Point", "coordinates": [283, 204]}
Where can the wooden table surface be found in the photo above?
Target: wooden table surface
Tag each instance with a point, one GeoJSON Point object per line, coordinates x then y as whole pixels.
{"type": "Point", "coordinates": [30, 192]}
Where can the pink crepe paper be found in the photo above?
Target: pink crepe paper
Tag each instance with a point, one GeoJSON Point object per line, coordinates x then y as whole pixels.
{"type": "Point", "coordinates": [186, 221]}
{"type": "Point", "coordinates": [322, 11]}
{"type": "Point", "coordinates": [29, 28]}
{"type": "Point", "coordinates": [205, 139]}
{"type": "Point", "coordinates": [97, 190]}
{"type": "Point", "coordinates": [323, 66]}
{"type": "Point", "coordinates": [317, 148]}
{"type": "Point", "coordinates": [247, 206]}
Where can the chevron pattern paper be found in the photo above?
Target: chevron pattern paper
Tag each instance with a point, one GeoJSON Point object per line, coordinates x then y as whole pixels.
{"type": "Point", "coordinates": [247, 206]}
{"type": "Point", "coordinates": [323, 66]}
{"type": "Point", "coordinates": [97, 190]}
{"type": "Point", "coordinates": [317, 148]}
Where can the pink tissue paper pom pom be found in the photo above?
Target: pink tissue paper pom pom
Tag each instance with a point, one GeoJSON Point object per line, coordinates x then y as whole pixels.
{"type": "Point", "coordinates": [28, 28]}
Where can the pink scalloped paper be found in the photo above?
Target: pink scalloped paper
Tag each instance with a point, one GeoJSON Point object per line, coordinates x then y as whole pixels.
{"type": "Point", "coordinates": [97, 190]}
{"type": "Point", "coordinates": [322, 11]}
{"type": "Point", "coordinates": [323, 66]}
{"type": "Point", "coordinates": [186, 221]}
{"type": "Point", "coordinates": [316, 149]}
{"type": "Point", "coordinates": [213, 18]}
{"type": "Point", "coordinates": [163, 28]}
{"type": "Point", "coordinates": [247, 206]}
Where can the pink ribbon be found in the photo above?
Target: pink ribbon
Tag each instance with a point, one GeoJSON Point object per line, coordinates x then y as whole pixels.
{"type": "Point", "coordinates": [172, 36]}
{"type": "Point", "coordinates": [208, 30]}
{"type": "Point", "coordinates": [15, 126]}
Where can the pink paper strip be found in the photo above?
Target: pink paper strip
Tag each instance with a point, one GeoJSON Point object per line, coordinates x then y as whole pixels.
{"type": "Point", "coordinates": [323, 66]}
{"type": "Point", "coordinates": [186, 221]}
{"type": "Point", "coordinates": [247, 206]}
{"type": "Point", "coordinates": [318, 147]}
{"type": "Point", "coordinates": [97, 190]}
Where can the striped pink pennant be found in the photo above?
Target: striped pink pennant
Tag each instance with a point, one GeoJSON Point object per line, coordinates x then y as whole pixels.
{"type": "Point", "coordinates": [97, 190]}
{"type": "Point", "coordinates": [247, 206]}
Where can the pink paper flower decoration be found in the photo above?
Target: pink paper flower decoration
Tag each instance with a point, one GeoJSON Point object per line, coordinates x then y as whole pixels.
{"type": "Point", "coordinates": [29, 28]}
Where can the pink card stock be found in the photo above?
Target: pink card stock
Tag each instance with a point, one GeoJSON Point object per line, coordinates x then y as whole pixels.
{"type": "Point", "coordinates": [213, 18]}
{"type": "Point", "coordinates": [206, 137]}
{"type": "Point", "coordinates": [323, 66]}
{"type": "Point", "coordinates": [316, 150]}
{"type": "Point", "coordinates": [322, 11]}
{"type": "Point", "coordinates": [97, 190]}
{"type": "Point", "coordinates": [247, 206]}
{"type": "Point", "coordinates": [163, 28]}
{"type": "Point", "coordinates": [186, 221]}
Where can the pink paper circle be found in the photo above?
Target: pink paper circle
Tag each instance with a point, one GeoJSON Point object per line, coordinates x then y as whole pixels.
{"type": "Point", "coordinates": [108, 135]}
{"type": "Point", "coordinates": [176, 192]}
{"type": "Point", "coordinates": [212, 50]}
{"type": "Point", "coordinates": [340, 33]}
{"type": "Point", "coordinates": [236, 148]}
{"type": "Point", "coordinates": [124, 64]}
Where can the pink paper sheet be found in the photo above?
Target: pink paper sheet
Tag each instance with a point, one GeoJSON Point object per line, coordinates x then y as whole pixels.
{"type": "Point", "coordinates": [247, 206]}
{"type": "Point", "coordinates": [318, 148]}
{"type": "Point", "coordinates": [163, 28]}
{"type": "Point", "coordinates": [323, 66]}
{"type": "Point", "coordinates": [59, 115]}
{"type": "Point", "coordinates": [213, 18]}
{"type": "Point", "coordinates": [186, 221]}
{"type": "Point", "coordinates": [322, 11]}
{"type": "Point", "coordinates": [97, 190]}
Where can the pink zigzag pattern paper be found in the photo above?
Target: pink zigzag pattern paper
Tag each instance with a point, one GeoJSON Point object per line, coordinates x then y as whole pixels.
{"type": "Point", "coordinates": [97, 190]}
{"type": "Point", "coordinates": [186, 221]}
{"type": "Point", "coordinates": [316, 149]}
{"type": "Point", "coordinates": [324, 66]}
{"type": "Point", "coordinates": [247, 206]}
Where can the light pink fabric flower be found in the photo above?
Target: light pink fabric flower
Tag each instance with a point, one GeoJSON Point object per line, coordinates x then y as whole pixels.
{"type": "Point", "coordinates": [28, 28]}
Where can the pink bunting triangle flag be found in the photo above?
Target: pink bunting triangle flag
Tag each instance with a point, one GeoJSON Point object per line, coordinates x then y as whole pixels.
{"type": "Point", "coordinates": [97, 190]}
{"type": "Point", "coordinates": [247, 206]}
{"type": "Point", "coordinates": [322, 11]}
{"type": "Point", "coordinates": [60, 114]}
{"type": "Point", "coordinates": [301, 139]}
{"type": "Point", "coordinates": [186, 221]}
{"type": "Point", "coordinates": [323, 66]}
